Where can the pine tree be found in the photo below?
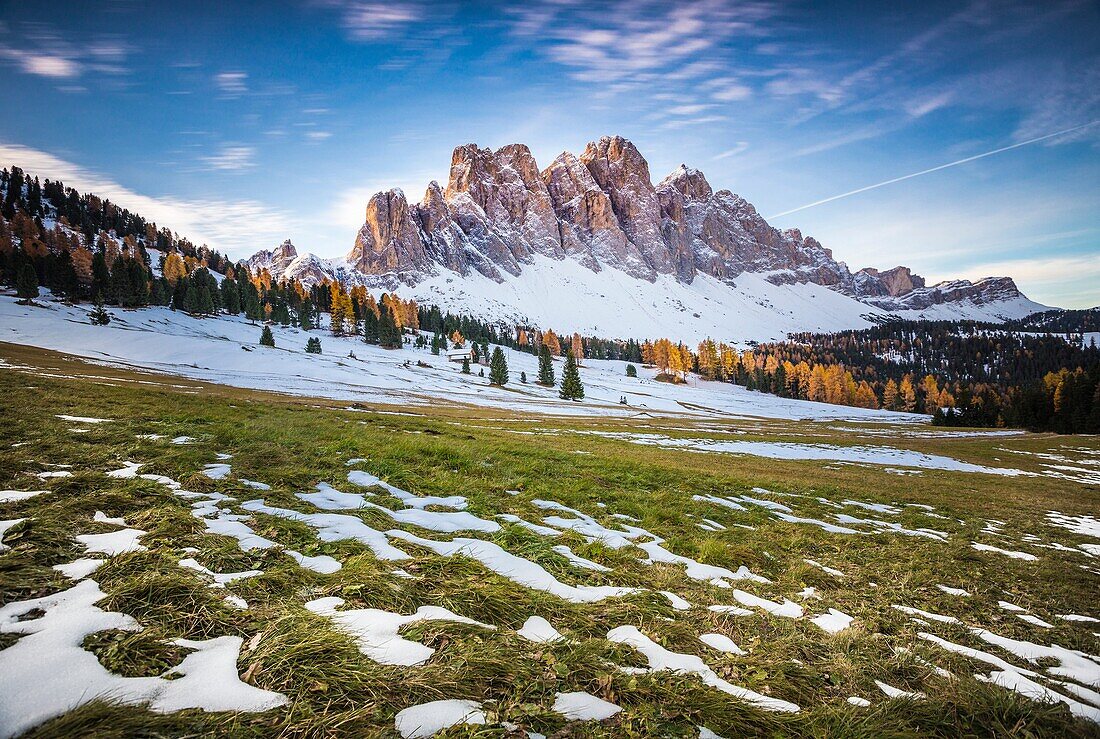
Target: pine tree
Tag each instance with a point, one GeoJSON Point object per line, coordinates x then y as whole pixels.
{"type": "Point", "coordinates": [305, 315]}
{"type": "Point", "coordinates": [120, 282]}
{"type": "Point", "coordinates": [523, 377]}
{"type": "Point", "coordinates": [389, 335]}
{"type": "Point", "coordinates": [266, 337]}
{"type": "Point", "coordinates": [436, 343]}
{"type": "Point", "coordinates": [571, 387]}
{"type": "Point", "coordinates": [99, 316]}
{"type": "Point", "coordinates": [26, 283]}
{"type": "Point", "coordinates": [313, 346]}
{"type": "Point", "coordinates": [498, 368]}
{"type": "Point", "coordinates": [631, 371]}
{"type": "Point", "coordinates": [465, 365]}
{"type": "Point", "coordinates": [101, 276]}
{"type": "Point", "coordinates": [370, 326]}
{"type": "Point", "coordinates": [546, 367]}
{"type": "Point", "coordinates": [231, 298]}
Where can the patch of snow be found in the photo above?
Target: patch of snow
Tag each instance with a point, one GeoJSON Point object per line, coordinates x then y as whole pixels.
{"type": "Point", "coordinates": [538, 629]}
{"type": "Point", "coordinates": [427, 719]}
{"type": "Point", "coordinates": [581, 706]}
{"type": "Point", "coordinates": [722, 643]}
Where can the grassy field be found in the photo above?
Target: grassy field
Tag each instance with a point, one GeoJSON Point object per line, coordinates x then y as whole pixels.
{"type": "Point", "coordinates": [333, 689]}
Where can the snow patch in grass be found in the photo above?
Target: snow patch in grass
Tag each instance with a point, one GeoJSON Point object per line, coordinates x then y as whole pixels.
{"type": "Point", "coordinates": [426, 719]}
{"type": "Point", "coordinates": [787, 609]}
{"type": "Point", "coordinates": [538, 629]}
{"type": "Point", "coordinates": [217, 471]}
{"type": "Point", "coordinates": [83, 419]}
{"type": "Point", "coordinates": [47, 672]}
{"type": "Point", "coordinates": [722, 643]}
{"type": "Point", "coordinates": [832, 571]}
{"type": "Point", "coordinates": [581, 706]}
{"type": "Point", "coordinates": [367, 480]}
{"type": "Point", "coordinates": [661, 659]}
{"type": "Point", "coordinates": [79, 569]}
{"type": "Point", "coordinates": [15, 496]}
{"type": "Point", "coordinates": [1006, 552]}
{"type": "Point", "coordinates": [953, 591]}
{"type": "Point", "coordinates": [1013, 680]}
{"type": "Point", "coordinates": [580, 561]}
{"type": "Point", "coordinates": [4, 526]}
{"type": "Point", "coordinates": [376, 631]}
{"type": "Point", "coordinates": [833, 622]}
{"type": "Point", "coordinates": [515, 568]}
{"type": "Point", "coordinates": [713, 574]}
{"type": "Point", "coordinates": [335, 527]}
{"type": "Point", "coordinates": [892, 692]}
{"type": "Point", "coordinates": [113, 543]}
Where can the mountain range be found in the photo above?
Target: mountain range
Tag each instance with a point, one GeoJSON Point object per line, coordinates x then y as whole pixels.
{"type": "Point", "coordinates": [590, 244]}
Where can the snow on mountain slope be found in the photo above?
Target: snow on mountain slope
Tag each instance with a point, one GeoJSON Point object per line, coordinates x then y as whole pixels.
{"type": "Point", "coordinates": [213, 350]}
{"type": "Point", "coordinates": [568, 297]}
{"type": "Point", "coordinates": [590, 244]}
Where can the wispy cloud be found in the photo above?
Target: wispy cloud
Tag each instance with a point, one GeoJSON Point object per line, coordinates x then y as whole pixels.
{"type": "Point", "coordinates": [738, 148]}
{"type": "Point", "coordinates": [231, 158]}
{"type": "Point", "coordinates": [238, 227]}
{"type": "Point", "coordinates": [369, 21]}
{"type": "Point", "coordinates": [42, 52]}
{"type": "Point", "coordinates": [232, 84]}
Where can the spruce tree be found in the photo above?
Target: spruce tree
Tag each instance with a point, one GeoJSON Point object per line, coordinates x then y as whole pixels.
{"type": "Point", "coordinates": [437, 342]}
{"type": "Point", "coordinates": [465, 365]}
{"type": "Point", "coordinates": [631, 371]}
{"type": "Point", "coordinates": [120, 282]}
{"type": "Point", "coordinates": [523, 377]}
{"type": "Point", "coordinates": [498, 368]}
{"type": "Point", "coordinates": [266, 338]}
{"type": "Point", "coordinates": [139, 287]}
{"type": "Point", "coordinates": [26, 283]}
{"type": "Point", "coordinates": [305, 315]}
{"type": "Point", "coordinates": [571, 387]}
{"type": "Point", "coordinates": [389, 336]}
{"type": "Point", "coordinates": [546, 367]}
{"type": "Point", "coordinates": [370, 327]}
{"type": "Point", "coordinates": [101, 277]}
{"type": "Point", "coordinates": [313, 346]}
{"type": "Point", "coordinates": [99, 316]}
{"type": "Point", "coordinates": [231, 298]}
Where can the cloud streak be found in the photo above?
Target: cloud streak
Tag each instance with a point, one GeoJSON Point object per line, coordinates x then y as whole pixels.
{"type": "Point", "coordinates": [930, 170]}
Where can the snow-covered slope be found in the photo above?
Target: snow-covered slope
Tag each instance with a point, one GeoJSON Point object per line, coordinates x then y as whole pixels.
{"type": "Point", "coordinates": [214, 350]}
{"type": "Point", "coordinates": [590, 244]}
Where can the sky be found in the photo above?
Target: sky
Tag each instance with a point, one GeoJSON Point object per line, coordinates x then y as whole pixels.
{"type": "Point", "coordinates": [242, 123]}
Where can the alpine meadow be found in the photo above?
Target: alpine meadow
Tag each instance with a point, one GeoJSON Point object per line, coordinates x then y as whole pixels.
{"type": "Point", "coordinates": [306, 433]}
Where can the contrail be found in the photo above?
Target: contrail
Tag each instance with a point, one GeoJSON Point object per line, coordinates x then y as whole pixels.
{"type": "Point", "coordinates": [934, 169]}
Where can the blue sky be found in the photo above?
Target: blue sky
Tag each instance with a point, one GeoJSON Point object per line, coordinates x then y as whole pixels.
{"type": "Point", "coordinates": [246, 123]}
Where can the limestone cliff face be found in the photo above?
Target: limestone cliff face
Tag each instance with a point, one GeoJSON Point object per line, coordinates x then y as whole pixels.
{"type": "Point", "coordinates": [499, 212]}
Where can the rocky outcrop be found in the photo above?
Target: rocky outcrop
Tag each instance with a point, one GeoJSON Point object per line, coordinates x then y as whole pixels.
{"type": "Point", "coordinates": [499, 213]}
{"type": "Point", "coordinates": [274, 260]}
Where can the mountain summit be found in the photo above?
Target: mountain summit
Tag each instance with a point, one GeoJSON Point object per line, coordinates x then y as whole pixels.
{"type": "Point", "coordinates": [502, 228]}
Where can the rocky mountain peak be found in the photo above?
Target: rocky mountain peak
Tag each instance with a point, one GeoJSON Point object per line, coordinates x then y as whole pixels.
{"type": "Point", "coordinates": [499, 214]}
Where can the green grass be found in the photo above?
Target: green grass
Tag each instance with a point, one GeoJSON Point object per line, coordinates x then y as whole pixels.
{"type": "Point", "coordinates": [334, 690]}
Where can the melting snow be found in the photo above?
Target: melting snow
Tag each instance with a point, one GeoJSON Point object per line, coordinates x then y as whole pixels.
{"type": "Point", "coordinates": [722, 643]}
{"type": "Point", "coordinates": [116, 542]}
{"type": "Point", "coordinates": [581, 706]}
{"type": "Point", "coordinates": [50, 654]}
{"type": "Point", "coordinates": [516, 569]}
{"type": "Point", "coordinates": [1006, 552]}
{"type": "Point", "coordinates": [660, 659]}
{"type": "Point", "coordinates": [538, 629]}
{"type": "Point", "coordinates": [426, 719]}
{"type": "Point", "coordinates": [14, 496]}
{"type": "Point", "coordinates": [83, 419]}
{"type": "Point", "coordinates": [376, 631]}
{"type": "Point", "coordinates": [833, 622]}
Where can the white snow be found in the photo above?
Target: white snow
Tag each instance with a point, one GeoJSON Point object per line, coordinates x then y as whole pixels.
{"type": "Point", "coordinates": [581, 706]}
{"type": "Point", "coordinates": [539, 630]}
{"type": "Point", "coordinates": [4, 526]}
{"type": "Point", "coordinates": [892, 692]}
{"type": "Point", "coordinates": [927, 614]}
{"type": "Point", "coordinates": [580, 561]}
{"type": "Point", "coordinates": [50, 654]}
{"type": "Point", "coordinates": [335, 527]}
{"type": "Point", "coordinates": [831, 570]}
{"type": "Point", "coordinates": [833, 622]}
{"type": "Point", "coordinates": [722, 643]}
{"type": "Point", "coordinates": [855, 700]}
{"type": "Point", "coordinates": [660, 659]}
{"type": "Point", "coordinates": [113, 543]}
{"type": "Point", "coordinates": [426, 719]}
{"type": "Point", "coordinates": [83, 419]}
{"type": "Point", "coordinates": [677, 602]}
{"type": "Point", "coordinates": [787, 608]}
{"type": "Point", "coordinates": [163, 340]}
{"type": "Point", "coordinates": [878, 455]}
{"type": "Point", "coordinates": [14, 496]}
{"type": "Point", "coordinates": [953, 591]}
{"type": "Point", "coordinates": [1034, 620]}
{"type": "Point", "coordinates": [515, 568]}
{"type": "Point", "coordinates": [1013, 680]}
{"type": "Point", "coordinates": [376, 631]}
{"type": "Point", "coordinates": [1006, 552]}
{"type": "Point", "coordinates": [80, 568]}
{"type": "Point", "coordinates": [217, 471]}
